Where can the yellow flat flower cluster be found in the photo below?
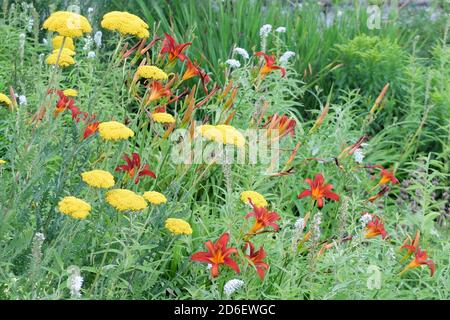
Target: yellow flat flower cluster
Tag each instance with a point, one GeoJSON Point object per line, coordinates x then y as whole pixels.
{"type": "Point", "coordinates": [257, 198]}
{"type": "Point", "coordinates": [67, 24]}
{"type": "Point", "coordinates": [5, 99]}
{"type": "Point", "coordinates": [70, 93]}
{"type": "Point", "coordinates": [58, 41]}
{"type": "Point", "coordinates": [178, 226]}
{"type": "Point", "coordinates": [2, 161]}
{"type": "Point", "coordinates": [64, 51]}
{"type": "Point", "coordinates": [63, 61]}
{"type": "Point", "coordinates": [151, 72]}
{"type": "Point", "coordinates": [125, 23]}
{"type": "Point", "coordinates": [222, 133]}
{"type": "Point", "coordinates": [74, 207]}
{"type": "Point", "coordinates": [125, 200]}
{"type": "Point", "coordinates": [155, 197]}
{"type": "Point", "coordinates": [163, 117]}
{"type": "Point", "coordinates": [98, 179]}
{"type": "Point", "coordinates": [113, 130]}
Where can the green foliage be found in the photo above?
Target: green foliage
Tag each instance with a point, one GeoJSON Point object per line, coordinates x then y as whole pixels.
{"type": "Point", "coordinates": [370, 63]}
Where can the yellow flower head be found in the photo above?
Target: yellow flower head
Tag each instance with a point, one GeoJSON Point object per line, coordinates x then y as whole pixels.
{"type": "Point", "coordinates": [257, 198]}
{"type": "Point", "coordinates": [74, 207]}
{"type": "Point", "coordinates": [64, 60]}
{"type": "Point", "coordinates": [67, 24]}
{"type": "Point", "coordinates": [64, 51]}
{"type": "Point", "coordinates": [125, 23]}
{"type": "Point", "coordinates": [151, 72]}
{"type": "Point", "coordinates": [163, 117]}
{"type": "Point", "coordinates": [2, 161]}
{"type": "Point", "coordinates": [4, 98]}
{"type": "Point", "coordinates": [70, 92]}
{"type": "Point", "coordinates": [155, 197]}
{"type": "Point", "coordinates": [113, 130]}
{"type": "Point", "coordinates": [178, 226]}
{"type": "Point", "coordinates": [98, 179]}
{"type": "Point", "coordinates": [68, 43]}
{"type": "Point", "coordinates": [222, 133]}
{"type": "Point", "coordinates": [124, 200]}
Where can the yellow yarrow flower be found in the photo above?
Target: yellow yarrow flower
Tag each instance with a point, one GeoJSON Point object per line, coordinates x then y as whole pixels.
{"type": "Point", "coordinates": [68, 43]}
{"type": "Point", "coordinates": [64, 51]}
{"type": "Point", "coordinates": [70, 93]}
{"type": "Point", "coordinates": [222, 133]}
{"type": "Point", "coordinates": [178, 226]}
{"type": "Point", "coordinates": [98, 179]}
{"type": "Point", "coordinates": [124, 200]}
{"type": "Point", "coordinates": [64, 60]}
{"type": "Point", "coordinates": [257, 198]}
{"type": "Point", "coordinates": [4, 98]}
{"type": "Point", "coordinates": [155, 197]}
{"type": "Point", "coordinates": [113, 130]}
{"type": "Point", "coordinates": [151, 72]}
{"type": "Point", "coordinates": [2, 161]}
{"type": "Point", "coordinates": [74, 207]}
{"type": "Point", "coordinates": [67, 24]}
{"type": "Point", "coordinates": [163, 117]}
{"type": "Point", "coordinates": [125, 23]}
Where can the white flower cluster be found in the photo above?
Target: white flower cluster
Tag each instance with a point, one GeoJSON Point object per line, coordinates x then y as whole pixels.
{"type": "Point", "coordinates": [242, 52]}
{"type": "Point", "coordinates": [365, 219]}
{"type": "Point", "coordinates": [299, 224]}
{"type": "Point", "coordinates": [280, 29]}
{"type": "Point", "coordinates": [232, 285]}
{"type": "Point", "coordinates": [358, 155]}
{"type": "Point", "coordinates": [74, 282]}
{"type": "Point", "coordinates": [98, 39]}
{"type": "Point", "coordinates": [265, 30]}
{"type": "Point", "coordinates": [286, 56]}
{"type": "Point", "coordinates": [233, 63]}
{"type": "Point", "coordinates": [317, 220]}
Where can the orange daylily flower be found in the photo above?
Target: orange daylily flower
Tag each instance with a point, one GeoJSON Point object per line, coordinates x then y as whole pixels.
{"type": "Point", "coordinates": [263, 217]}
{"type": "Point", "coordinates": [193, 70]}
{"type": "Point", "coordinates": [386, 177]}
{"type": "Point", "coordinates": [375, 228]}
{"type": "Point", "coordinates": [283, 124]}
{"type": "Point", "coordinates": [91, 128]}
{"type": "Point", "coordinates": [157, 91]}
{"type": "Point", "coordinates": [319, 190]}
{"type": "Point", "coordinates": [133, 165]}
{"type": "Point", "coordinates": [269, 66]}
{"type": "Point", "coordinates": [256, 259]}
{"type": "Point", "coordinates": [420, 258]}
{"type": "Point", "coordinates": [174, 49]}
{"type": "Point", "coordinates": [410, 245]}
{"type": "Point", "coordinates": [217, 254]}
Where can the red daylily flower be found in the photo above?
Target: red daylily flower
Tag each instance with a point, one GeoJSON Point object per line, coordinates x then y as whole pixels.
{"type": "Point", "coordinates": [264, 218]}
{"type": "Point", "coordinates": [133, 165]}
{"type": "Point", "coordinates": [375, 228]}
{"type": "Point", "coordinates": [193, 70]}
{"type": "Point", "coordinates": [379, 194]}
{"type": "Point", "coordinates": [386, 177]}
{"type": "Point", "coordinates": [283, 124]}
{"type": "Point", "coordinates": [420, 258]}
{"type": "Point", "coordinates": [174, 49]}
{"type": "Point", "coordinates": [256, 259]}
{"type": "Point", "coordinates": [217, 254]}
{"type": "Point", "coordinates": [63, 102]}
{"type": "Point", "coordinates": [157, 91]}
{"type": "Point", "coordinates": [269, 66]}
{"type": "Point", "coordinates": [319, 190]}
